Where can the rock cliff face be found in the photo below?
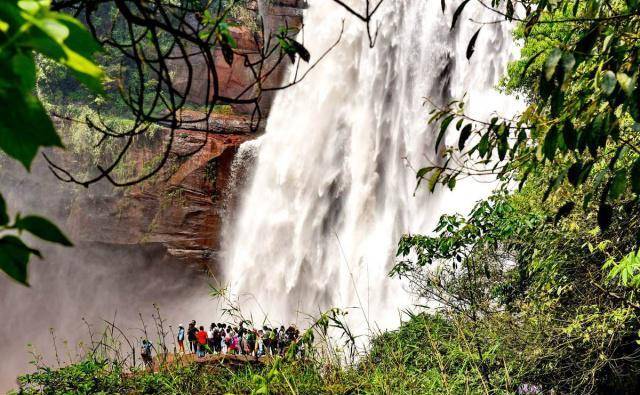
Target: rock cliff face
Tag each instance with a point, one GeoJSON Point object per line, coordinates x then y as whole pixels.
{"type": "Point", "coordinates": [182, 208]}
{"type": "Point", "coordinates": [181, 211]}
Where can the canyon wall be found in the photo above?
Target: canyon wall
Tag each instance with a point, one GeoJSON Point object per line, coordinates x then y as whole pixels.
{"type": "Point", "coordinates": [135, 247]}
{"type": "Point", "coordinates": [182, 209]}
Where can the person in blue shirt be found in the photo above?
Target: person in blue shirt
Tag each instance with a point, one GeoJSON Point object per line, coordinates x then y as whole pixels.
{"type": "Point", "coordinates": [181, 338]}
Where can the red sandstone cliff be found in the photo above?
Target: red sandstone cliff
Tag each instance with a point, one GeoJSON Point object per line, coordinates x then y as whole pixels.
{"type": "Point", "coordinates": [183, 208]}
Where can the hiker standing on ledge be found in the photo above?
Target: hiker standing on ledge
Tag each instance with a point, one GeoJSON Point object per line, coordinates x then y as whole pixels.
{"type": "Point", "coordinates": [191, 335]}
{"type": "Point", "coordinates": [145, 352]}
{"type": "Point", "coordinates": [202, 341]}
{"type": "Point", "coordinates": [181, 338]}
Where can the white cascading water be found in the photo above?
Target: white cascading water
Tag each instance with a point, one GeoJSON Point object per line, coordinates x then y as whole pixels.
{"type": "Point", "coordinates": [332, 189]}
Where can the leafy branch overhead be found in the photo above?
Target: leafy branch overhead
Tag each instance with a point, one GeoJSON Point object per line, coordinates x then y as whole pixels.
{"type": "Point", "coordinates": [578, 73]}
{"type": "Point", "coordinates": [140, 44]}
{"type": "Point", "coordinates": [27, 28]}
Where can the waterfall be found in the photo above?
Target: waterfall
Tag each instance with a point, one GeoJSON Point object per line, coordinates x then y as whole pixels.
{"type": "Point", "coordinates": [332, 189]}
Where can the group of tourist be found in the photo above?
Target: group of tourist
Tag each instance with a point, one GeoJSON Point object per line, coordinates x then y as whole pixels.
{"type": "Point", "coordinates": [223, 338]}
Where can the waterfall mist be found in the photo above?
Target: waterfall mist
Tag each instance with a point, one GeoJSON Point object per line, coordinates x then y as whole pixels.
{"type": "Point", "coordinates": [332, 188]}
{"type": "Point", "coordinates": [89, 281]}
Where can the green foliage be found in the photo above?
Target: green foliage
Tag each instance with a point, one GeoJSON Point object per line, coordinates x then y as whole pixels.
{"type": "Point", "coordinates": [87, 377]}
{"type": "Point", "coordinates": [290, 46]}
{"type": "Point", "coordinates": [578, 70]}
{"type": "Point", "coordinates": [28, 27]}
{"type": "Point", "coordinates": [626, 272]}
{"type": "Point", "coordinates": [516, 263]}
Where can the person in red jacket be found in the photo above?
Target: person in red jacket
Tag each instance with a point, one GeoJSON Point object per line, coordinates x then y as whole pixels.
{"type": "Point", "coordinates": [202, 341]}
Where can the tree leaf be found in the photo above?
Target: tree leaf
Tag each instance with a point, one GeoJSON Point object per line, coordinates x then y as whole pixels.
{"type": "Point", "coordinates": [635, 176]}
{"type": "Point", "coordinates": [300, 50]}
{"type": "Point", "coordinates": [532, 21]}
{"type": "Point", "coordinates": [569, 135]}
{"type": "Point", "coordinates": [4, 217]}
{"type": "Point", "coordinates": [14, 257]}
{"type": "Point", "coordinates": [24, 67]}
{"type": "Point", "coordinates": [618, 184]}
{"type": "Point", "coordinates": [550, 143]}
{"type": "Point", "coordinates": [25, 128]}
{"type": "Point", "coordinates": [626, 83]}
{"type": "Point", "coordinates": [587, 41]}
{"type": "Point", "coordinates": [568, 62]}
{"type": "Point", "coordinates": [608, 82]}
{"type": "Point", "coordinates": [551, 63]}
{"type": "Point", "coordinates": [79, 40]}
{"type": "Point", "coordinates": [42, 228]}
{"type": "Point", "coordinates": [564, 211]}
{"type": "Point", "coordinates": [443, 129]}
{"type": "Point", "coordinates": [433, 180]}
{"type": "Point", "coordinates": [483, 145]}
{"type": "Point", "coordinates": [457, 13]}
{"type": "Point", "coordinates": [530, 62]}
{"type": "Point", "coordinates": [471, 47]}
{"type": "Point", "coordinates": [510, 10]}
{"type": "Point", "coordinates": [605, 214]}
{"type": "Point", "coordinates": [227, 53]}
{"type": "Point", "coordinates": [422, 172]}
{"type": "Point", "coordinates": [573, 174]}
{"type": "Point", "coordinates": [464, 136]}
{"type": "Point", "coordinates": [585, 172]}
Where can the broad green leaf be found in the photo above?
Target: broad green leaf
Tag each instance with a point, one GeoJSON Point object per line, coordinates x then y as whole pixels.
{"type": "Point", "coordinates": [551, 63]}
{"type": "Point", "coordinates": [443, 129]}
{"type": "Point", "coordinates": [44, 44]}
{"type": "Point", "coordinates": [14, 257]}
{"type": "Point", "coordinates": [24, 67]}
{"type": "Point", "coordinates": [80, 40]}
{"type": "Point", "coordinates": [25, 128]}
{"type": "Point", "coordinates": [422, 172]}
{"type": "Point", "coordinates": [530, 62]}
{"type": "Point", "coordinates": [82, 65]}
{"type": "Point", "coordinates": [626, 83]}
{"type": "Point", "coordinates": [55, 29]}
{"type": "Point", "coordinates": [550, 143]}
{"type": "Point", "coordinates": [618, 184]}
{"type": "Point", "coordinates": [433, 180]}
{"type": "Point", "coordinates": [483, 145]}
{"type": "Point", "coordinates": [31, 7]}
{"type": "Point", "coordinates": [608, 82]}
{"type": "Point", "coordinates": [451, 183]}
{"type": "Point", "coordinates": [49, 26]}
{"type": "Point", "coordinates": [569, 135]}
{"type": "Point", "coordinates": [42, 228]}
{"type": "Point", "coordinates": [568, 61]}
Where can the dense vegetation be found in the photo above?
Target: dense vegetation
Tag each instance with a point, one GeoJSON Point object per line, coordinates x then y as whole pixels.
{"type": "Point", "coordinates": [538, 284]}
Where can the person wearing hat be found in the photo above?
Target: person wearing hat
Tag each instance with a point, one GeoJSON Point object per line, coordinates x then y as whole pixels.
{"type": "Point", "coordinates": [181, 338]}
